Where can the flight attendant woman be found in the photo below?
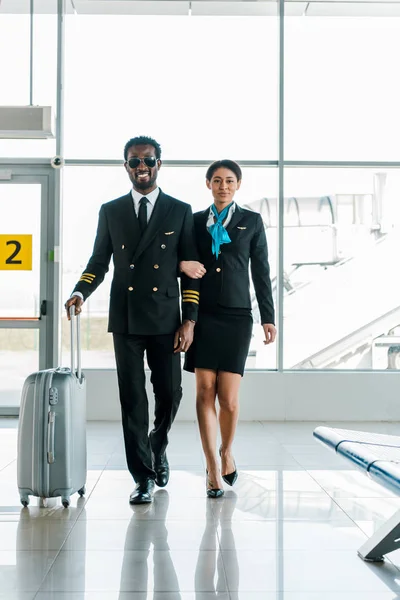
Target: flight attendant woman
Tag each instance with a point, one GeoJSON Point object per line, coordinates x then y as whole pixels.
{"type": "Point", "coordinates": [229, 238]}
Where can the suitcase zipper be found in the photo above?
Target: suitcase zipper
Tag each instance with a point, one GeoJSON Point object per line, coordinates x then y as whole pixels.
{"type": "Point", "coordinates": [42, 392]}
{"type": "Point", "coordinates": [50, 437]}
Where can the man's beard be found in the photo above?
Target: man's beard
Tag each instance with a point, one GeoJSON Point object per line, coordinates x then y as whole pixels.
{"type": "Point", "coordinates": [144, 185]}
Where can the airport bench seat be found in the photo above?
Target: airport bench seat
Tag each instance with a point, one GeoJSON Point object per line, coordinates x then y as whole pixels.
{"type": "Point", "coordinates": [378, 455]}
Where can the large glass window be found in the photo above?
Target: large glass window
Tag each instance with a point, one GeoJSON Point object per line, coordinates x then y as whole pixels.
{"type": "Point", "coordinates": [15, 63]}
{"type": "Point", "coordinates": [342, 293]}
{"type": "Point", "coordinates": [20, 209]}
{"type": "Point", "coordinates": [86, 188]}
{"type": "Point", "coordinates": [341, 90]}
{"type": "Point", "coordinates": [203, 86]}
{"type": "Point", "coordinates": [202, 78]}
{"type": "Point", "coordinates": [19, 356]}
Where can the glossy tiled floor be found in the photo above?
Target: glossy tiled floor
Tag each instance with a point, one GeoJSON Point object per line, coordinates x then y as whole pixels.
{"type": "Point", "coordinates": [288, 530]}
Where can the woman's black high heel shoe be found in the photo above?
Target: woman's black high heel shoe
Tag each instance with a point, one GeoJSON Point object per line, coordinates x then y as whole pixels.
{"type": "Point", "coordinates": [230, 478]}
{"type": "Point", "coordinates": [214, 492]}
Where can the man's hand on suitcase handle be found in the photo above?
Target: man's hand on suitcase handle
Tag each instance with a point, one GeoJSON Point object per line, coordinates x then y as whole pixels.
{"type": "Point", "coordinates": [74, 300]}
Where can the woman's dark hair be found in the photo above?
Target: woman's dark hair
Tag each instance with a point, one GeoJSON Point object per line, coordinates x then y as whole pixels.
{"type": "Point", "coordinates": [142, 140]}
{"type": "Point", "coordinates": [224, 164]}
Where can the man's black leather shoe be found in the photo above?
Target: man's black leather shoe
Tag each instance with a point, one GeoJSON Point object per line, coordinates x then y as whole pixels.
{"type": "Point", "coordinates": [143, 492]}
{"type": "Point", "coordinates": [161, 467]}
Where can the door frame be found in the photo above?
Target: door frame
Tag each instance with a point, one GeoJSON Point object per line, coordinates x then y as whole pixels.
{"type": "Point", "coordinates": [39, 171]}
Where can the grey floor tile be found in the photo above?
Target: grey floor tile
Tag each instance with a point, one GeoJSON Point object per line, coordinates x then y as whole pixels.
{"type": "Point", "coordinates": [290, 535]}
{"type": "Point", "coordinates": [24, 570]}
{"type": "Point", "coordinates": [297, 506]}
{"type": "Point", "coordinates": [185, 483]}
{"type": "Point", "coordinates": [375, 510]}
{"type": "Point", "coordinates": [163, 507]}
{"type": "Point", "coordinates": [17, 595]}
{"type": "Point", "coordinates": [305, 571]}
{"type": "Point", "coordinates": [288, 530]}
{"type": "Point", "coordinates": [38, 534]}
{"type": "Point", "coordinates": [142, 535]}
{"type": "Point", "coordinates": [135, 571]}
{"type": "Point", "coordinates": [283, 595]}
{"type": "Point", "coordinates": [348, 483]}
{"type": "Point", "coordinates": [151, 595]}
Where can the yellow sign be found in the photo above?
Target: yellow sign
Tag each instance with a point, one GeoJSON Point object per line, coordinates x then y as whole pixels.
{"type": "Point", "coordinates": [15, 252]}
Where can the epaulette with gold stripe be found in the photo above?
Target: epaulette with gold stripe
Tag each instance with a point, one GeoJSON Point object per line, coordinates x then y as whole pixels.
{"type": "Point", "coordinates": [190, 296]}
{"type": "Point", "coordinates": [88, 277]}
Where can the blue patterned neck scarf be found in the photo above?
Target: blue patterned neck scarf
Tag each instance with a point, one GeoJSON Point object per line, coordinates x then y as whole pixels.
{"type": "Point", "coordinates": [217, 231]}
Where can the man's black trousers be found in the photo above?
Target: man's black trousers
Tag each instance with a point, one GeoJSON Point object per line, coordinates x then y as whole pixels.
{"type": "Point", "coordinates": [166, 378]}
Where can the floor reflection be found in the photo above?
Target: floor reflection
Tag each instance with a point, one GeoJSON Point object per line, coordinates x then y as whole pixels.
{"type": "Point", "coordinates": [161, 575]}
{"type": "Point", "coordinates": [283, 532]}
{"type": "Point", "coordinates": [212, 564]}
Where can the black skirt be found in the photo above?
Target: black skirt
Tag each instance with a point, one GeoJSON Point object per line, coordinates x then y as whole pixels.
{"type": "Point", "coordinates": [221, 341]}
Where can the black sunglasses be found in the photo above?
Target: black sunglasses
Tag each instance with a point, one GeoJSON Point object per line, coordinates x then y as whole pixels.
{"type": "Point", "coordinates": [149, 161]}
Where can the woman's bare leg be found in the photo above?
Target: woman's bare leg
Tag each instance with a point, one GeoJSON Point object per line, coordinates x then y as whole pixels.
{"type": "Point", "coordinates": [228, 396]}
{"type": "Point", "coordinates": [206, 390]}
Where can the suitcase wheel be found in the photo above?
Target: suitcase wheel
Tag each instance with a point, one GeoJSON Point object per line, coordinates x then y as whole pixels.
{"type": "Point", "coordinates": [82, 491]}
{"type": "Point", "coordinates": [25, 501]}
{"type": "Point", "coordinates": [65, 502]}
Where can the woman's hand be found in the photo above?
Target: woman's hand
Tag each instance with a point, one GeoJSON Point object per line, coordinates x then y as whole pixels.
{"type": "Point", "coordinates": [192, 268]}
{"type": "Point", "coordinates": [269, 332]}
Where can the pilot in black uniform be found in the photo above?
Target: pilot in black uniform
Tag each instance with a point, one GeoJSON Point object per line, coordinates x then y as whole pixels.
{"type": "Point", "coordinates": [147, 232]}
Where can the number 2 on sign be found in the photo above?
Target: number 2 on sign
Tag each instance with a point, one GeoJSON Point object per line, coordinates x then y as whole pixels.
{"type": "Point", "coordinates": [11, 259]}
{"type": "Point", "coordinates": [15, 252]}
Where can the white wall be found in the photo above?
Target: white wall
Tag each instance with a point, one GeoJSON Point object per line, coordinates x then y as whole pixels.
{"type": "Point", "coordinates": [270, 396]}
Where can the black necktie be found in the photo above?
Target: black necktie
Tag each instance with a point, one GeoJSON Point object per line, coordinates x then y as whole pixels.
{"type": "Point", "coordinates": [142, 214]}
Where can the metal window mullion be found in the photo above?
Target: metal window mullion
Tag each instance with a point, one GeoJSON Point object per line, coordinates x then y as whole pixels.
{"type": "Point", "coordinates": [44, 322]}
{"type": "Point", "coordinates": [31, 7]}
{"type": "Point", "coordinates": [60, 77]}
{"type": "Point", "coordinates": [106, 162]}
{"type": "Point", "coordinates": [20, 324]}
{"type": "Point", "coordinates": [281, 172]}
{"type": "Point", "coordinates": [349, 164]}
{"type": "Point", "coordinates": [280, 571]}
{"type": "Point", "coordinates": [18, 163]}
{"type": "Point", "coordinates": [109, 162]}
{"type": "Point", "coordinates": [54, 275]}
{"type": "Point", "coordinates": [56, 183]}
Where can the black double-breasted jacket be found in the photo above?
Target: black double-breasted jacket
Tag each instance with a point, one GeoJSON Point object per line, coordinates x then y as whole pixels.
{"type": "Point", "coordinates": [145, 293]}
{"type": "Point", "coordinates": [227, 281]}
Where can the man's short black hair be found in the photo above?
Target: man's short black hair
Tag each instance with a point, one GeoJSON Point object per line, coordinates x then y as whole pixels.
{"type": "Point", "coordinates": [142, 140]}
{"type": "Point", "coordinates": [225, 163]}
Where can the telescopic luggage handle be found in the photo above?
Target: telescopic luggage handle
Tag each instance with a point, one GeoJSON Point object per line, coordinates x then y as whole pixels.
{"type": "Point", "coordinates": [75, 341]}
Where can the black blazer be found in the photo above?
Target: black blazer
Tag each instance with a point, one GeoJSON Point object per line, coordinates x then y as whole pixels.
{"type": "Point", "coordinates": [226, 282]}
{"type": "Point", "coordinates": [144, 296]}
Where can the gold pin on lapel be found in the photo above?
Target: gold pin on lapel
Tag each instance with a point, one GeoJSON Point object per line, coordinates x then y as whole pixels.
{"type": "Point", "coordinates": [169, 232]}
{"type": "Point", "coordinates": [242, 227]}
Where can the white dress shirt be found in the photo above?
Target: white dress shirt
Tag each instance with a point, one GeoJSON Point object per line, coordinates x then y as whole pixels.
{"type": "Point", "coordinates": [136, 196]}
{"type": "Point", "coordinates": [152, 197]}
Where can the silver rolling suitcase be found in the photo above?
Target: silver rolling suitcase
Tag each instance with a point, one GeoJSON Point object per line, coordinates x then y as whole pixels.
{"type": "Point", "coordinates": [52, 430]}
